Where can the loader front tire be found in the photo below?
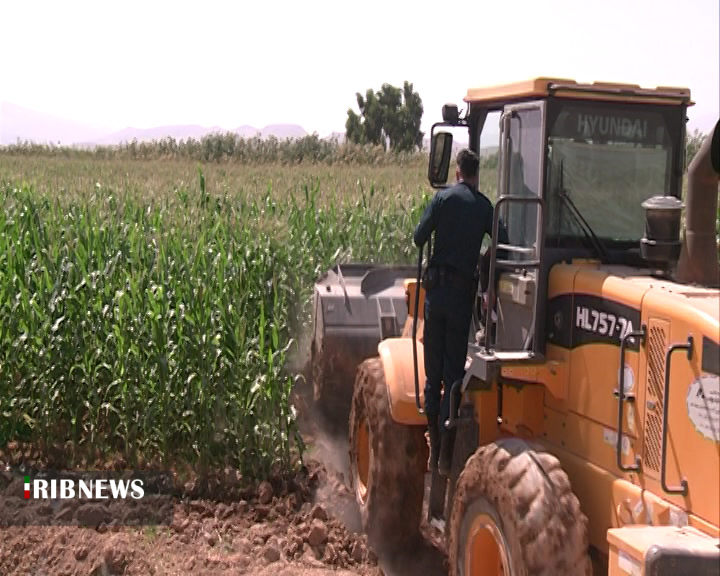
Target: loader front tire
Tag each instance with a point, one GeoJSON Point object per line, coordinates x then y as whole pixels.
{"type": "Point", "coordinates": [515, 515]}
{"type": "Point", "coordinates": [388, 462]}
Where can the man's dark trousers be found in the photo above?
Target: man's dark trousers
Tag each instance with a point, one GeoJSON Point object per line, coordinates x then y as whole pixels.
{"type": "Point", "coordinates": [448, 311]}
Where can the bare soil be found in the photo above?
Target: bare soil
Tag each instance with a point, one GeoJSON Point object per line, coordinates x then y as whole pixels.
{"type": "Point", "coordinates": [308, 526]}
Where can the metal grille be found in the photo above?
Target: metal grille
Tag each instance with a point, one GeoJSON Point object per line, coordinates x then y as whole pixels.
{"type": "Point", "coordinates": [657, 343]}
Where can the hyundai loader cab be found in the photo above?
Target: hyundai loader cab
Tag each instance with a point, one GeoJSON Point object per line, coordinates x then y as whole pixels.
{"type": "Point", "coordinates": [588, 420]}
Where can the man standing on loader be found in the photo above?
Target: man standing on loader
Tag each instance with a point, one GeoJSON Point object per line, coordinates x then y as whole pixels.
{"type": "Point", "coordinates": [460, 216]}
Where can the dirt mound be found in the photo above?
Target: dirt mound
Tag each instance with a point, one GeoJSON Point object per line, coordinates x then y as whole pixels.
{"type": "Point", "coordinates": [304, 525]}
{"type": "Point", "coordinates": [283, 529]}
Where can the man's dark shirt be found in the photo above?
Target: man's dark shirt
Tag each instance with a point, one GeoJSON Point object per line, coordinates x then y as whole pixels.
{"type": "Point", "coordinates": [460, 217]}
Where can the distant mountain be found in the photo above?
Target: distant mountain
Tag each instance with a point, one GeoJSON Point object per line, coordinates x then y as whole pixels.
{"type": "Point", "coordinates": [185, 132]}
{"type": "Point", "coordinates": [25, 124]}
{"type": "Point", "coordinates": [182, 132]}
{"type": "Point", "coordinates": [246, 131]}
{"type": "Point", "coordinates": [17, 122]}
{"type": "Point", "coordinates": [339, 136]}
{"type": "Point", "coordinates": [282, 131]}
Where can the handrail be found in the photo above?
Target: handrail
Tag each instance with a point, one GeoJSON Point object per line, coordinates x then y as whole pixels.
{"type": "Point", "coordinates": [683, 488]}
{"type": "Point", "coordinates": [621, 400]}
{"type": "Point", "coordinates": [494, 245]}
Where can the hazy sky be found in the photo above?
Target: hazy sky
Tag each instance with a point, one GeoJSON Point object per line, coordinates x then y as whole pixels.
{"type": "Point", "coordinates": [154, 62]}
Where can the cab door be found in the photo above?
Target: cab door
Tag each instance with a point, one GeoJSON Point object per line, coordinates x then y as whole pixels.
{"type": "Point", "coordinates": [520, 207]}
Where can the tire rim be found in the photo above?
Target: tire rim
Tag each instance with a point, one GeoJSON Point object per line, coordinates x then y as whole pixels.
{"type": "Point", "coordinates": [362, 461]}
{"type": "Point", "coordinates": [485, 550]}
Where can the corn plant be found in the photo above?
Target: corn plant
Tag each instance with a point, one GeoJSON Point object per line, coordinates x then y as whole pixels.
{"type": "Point", "coordinates": [160, 324]}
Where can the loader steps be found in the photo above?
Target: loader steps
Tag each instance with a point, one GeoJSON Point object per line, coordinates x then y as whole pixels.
{"type": "Point", "coordinates": [483, 364]}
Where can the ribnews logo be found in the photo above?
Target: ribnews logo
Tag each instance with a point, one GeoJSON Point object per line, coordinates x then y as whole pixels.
{"type": "Point", "coordinates": [67, 498]}
{"type": "Point", "coordinates": [68, 488]}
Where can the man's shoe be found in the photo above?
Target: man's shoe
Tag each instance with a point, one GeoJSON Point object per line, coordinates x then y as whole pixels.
{"type": "Point", "coordinates": [447, 444]}
{"type": "Point", "coordinates": [434, 434]}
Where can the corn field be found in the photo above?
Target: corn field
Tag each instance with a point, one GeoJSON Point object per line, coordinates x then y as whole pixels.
{"type": "Point", "coordinates": [154, 315]}
{"type": "Point", "coordinates": [150, 305]}
{"type": "Point", "coordinates": [228, 148]}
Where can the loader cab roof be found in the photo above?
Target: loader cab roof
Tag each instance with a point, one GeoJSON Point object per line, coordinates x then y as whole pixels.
{"type": "Point", "coordinates": [495, 97]}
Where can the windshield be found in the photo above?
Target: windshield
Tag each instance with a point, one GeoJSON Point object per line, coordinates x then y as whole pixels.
{"type": "Point", "coordinates": [608, 159]}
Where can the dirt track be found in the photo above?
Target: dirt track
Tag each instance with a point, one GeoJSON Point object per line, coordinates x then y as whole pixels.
{"type": "Point", "coordinates": [310, 528]}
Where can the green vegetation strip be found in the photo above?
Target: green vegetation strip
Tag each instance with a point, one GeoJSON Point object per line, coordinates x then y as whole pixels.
{"type": "Point", "coordinates": [160, 325]}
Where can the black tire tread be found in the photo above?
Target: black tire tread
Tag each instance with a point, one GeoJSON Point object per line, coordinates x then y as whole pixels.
{"type": "Point", "coordinates": [392, 512]}
{"type": "Point", "coordinates": [546, 530]}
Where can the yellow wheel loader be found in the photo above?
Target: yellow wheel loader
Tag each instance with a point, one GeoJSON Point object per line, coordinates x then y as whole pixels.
{"type": "Point", "coordinates": [588, 420]}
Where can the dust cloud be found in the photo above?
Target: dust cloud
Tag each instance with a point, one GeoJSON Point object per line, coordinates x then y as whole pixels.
{"type": "Point", "coordinates": [327, 451]}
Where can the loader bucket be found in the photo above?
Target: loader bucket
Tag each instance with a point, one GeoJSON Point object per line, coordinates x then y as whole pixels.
{"type": "Point", "coordinates": [355, 307]}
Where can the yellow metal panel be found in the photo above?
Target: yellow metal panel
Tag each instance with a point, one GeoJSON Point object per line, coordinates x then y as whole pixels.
{"type": "Point", "coordinates": [521, 410]}
{"type": "Point", "coordinates": [419, 331]}
{"type": "Point", "coordinates": [397, 358]}
{"type": "Point", "coordinates": [611, 502]}
{"type": "Point", "coordinates": [693, 432]}
{"type": "Point", "coordinates": [410, 287]}
{"type": "Point", "coordinates": [629, 545]}
{"type": "Point", "coordinates": [538, 88]}
{"type": "Point", "coordinates": [551, 374]}
{"type": "Point", "coordinates": [589, 440]}
{"type": "Point", "coordinates": [554, 423]}
{"type": "Point", "coordinates": [589, 95]}
{"type": "Point", "coordinates": [703, 526]}
{"type": "Point", "coordinates": [616, 567]}
{"type": "Point", "coordinates": [560, 281]}
{"type": "Point", "coordinates": [597, 443]}
{"type": "Point", "coordinates": [648, 508]}
{"type": "Point", "coordinates": [705, 300]}
{"type": "Point", "coordinates": [595, 358]}
{"type": "Point", "coordinates": [486, 404]}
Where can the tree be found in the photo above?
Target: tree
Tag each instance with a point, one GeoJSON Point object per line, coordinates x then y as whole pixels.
{"type": "Point", "coordinates": [390, 115]}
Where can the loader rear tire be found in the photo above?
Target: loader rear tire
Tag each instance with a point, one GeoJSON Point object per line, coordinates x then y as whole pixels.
{"type": "Point", "coordinates": [515, 514]}
{"type": "Point", "coordinates": [388, 462]}
{"type": "Point", "coordinates": [332, 379]}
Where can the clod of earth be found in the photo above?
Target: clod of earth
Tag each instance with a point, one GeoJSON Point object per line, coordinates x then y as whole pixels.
{"type": "Point", "coordinates": [318, 533]}
{"type": "Point", "coordinates": [265, 493]}
{"type": "Point", "coordinates": [319, 512]}
{"type": "Point", "coordinates": [271, 553]}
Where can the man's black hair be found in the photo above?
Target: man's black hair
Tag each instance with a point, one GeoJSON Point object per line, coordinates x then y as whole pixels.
{"type": "Point", "coordinates": [468, 162]}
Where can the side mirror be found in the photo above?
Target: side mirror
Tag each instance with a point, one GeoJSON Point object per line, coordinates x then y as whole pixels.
{"type": "Point", "coordinates": [440, 152]}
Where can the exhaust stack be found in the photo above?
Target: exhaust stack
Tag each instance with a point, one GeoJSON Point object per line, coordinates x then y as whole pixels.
{"type": "Point", "coordinates": [699, 255]}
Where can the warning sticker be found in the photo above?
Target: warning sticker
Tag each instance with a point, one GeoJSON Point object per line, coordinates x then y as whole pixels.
{"type": "Point", "coordinates": [610, 437]}
{"type": "Point", "coordinates": [703, 406]}
{"type": "Point", "coordinates": [629, 380]}
{"type": "Point", "coordinates": [628, 564]}
{"type": "Point", "coordinates": [678, 518]}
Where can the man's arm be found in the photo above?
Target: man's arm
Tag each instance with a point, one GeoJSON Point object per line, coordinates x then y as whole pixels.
{"type": "Point", "coordinates": [427, 222]}
{"type": "Point", "coordinates": [502, 232]}
{"type": "Point", "coordinates": [500, 255]}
